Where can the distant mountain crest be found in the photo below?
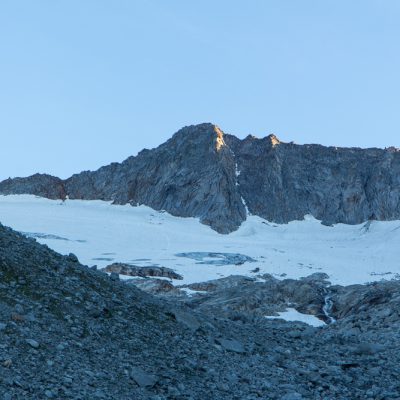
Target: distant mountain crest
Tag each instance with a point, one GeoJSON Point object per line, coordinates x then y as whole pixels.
{"type": "Point", "coordinates": [202, 172]}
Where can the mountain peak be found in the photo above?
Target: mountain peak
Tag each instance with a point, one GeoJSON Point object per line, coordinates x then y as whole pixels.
{"type": "Point", "coordinates": [201, 135]}
{"type": "Point", "coordinates": [219, 141]}
{"type": "Point", "coordinates": [202, 172]}
{"type": "Point", "coordinates": [273, 139]}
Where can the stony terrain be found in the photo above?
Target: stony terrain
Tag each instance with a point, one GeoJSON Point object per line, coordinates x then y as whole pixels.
{"type": "Point", "coordinates": [202, 172]}
{"type": "Point", "coordinates": [70, 332]}
{"type": "Point", "coordinates": [134, 270]}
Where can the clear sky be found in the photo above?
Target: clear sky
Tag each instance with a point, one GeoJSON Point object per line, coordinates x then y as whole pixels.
{"type": "Point", "coordinates": [87, 82]}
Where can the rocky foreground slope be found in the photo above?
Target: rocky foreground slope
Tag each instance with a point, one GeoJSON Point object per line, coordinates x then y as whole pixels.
{"type": "Point", "coordinates": [70, 332]}
{"type": "Point", "coordinates": [202, 172]}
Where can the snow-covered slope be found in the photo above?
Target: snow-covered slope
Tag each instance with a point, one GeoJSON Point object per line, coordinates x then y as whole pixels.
{"type": "Point", "coordinates": [100, 233]}
{"type": "Point", "coordinates": [291, 314]}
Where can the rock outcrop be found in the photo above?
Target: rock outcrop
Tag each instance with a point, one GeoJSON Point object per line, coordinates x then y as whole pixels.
{"type": "Point", "coordinates": [282, 182]}
{"type": "Point", "coordinates": [201, 172]}
{"type": "Point", "coordinates": [39, 185]}
{"type": "Point", "coordinates": [134, 270]}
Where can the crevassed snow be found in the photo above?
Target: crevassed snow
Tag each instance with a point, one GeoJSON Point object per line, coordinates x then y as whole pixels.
{"type": "Point", "coordinates": [101, 233]}
{"type": "Point", "coordinates": [291, 314]}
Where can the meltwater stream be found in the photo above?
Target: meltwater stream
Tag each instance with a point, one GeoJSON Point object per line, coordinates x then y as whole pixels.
{"type": "Point", "coordinates": [327, 309]}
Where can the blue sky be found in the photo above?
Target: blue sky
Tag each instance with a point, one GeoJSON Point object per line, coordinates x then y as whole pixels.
{"type": "Point", "coordinates": [87, 82]}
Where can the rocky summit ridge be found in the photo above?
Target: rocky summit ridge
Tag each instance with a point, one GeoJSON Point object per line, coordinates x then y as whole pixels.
{"type": "Point", "coordinates": [202, 172]}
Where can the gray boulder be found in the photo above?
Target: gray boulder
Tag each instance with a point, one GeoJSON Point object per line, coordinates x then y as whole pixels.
{"type": "Point", "coordinates": [133, 270]}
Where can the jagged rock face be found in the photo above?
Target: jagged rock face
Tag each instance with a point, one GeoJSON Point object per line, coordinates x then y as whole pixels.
{"type": "Point", "coordinates": [191, 175]}
{"type": "Point", "coordinates": [134, 270]}
{"type": "Point", "coordinates": [39, 185]}
{"type": "Point", "coordinates": [379, 299]}
{"type": "Point", "coordinates": [282, 182]}
{"type": "Point", "coordinates": [242, 297]}
{"type": "Point", "coordinates": [200, 172]}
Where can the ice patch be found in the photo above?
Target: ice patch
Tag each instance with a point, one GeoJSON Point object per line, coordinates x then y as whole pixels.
{"type": "Point", "coordinates": [292, 250]}
{"type": "Point", "coordinates": [191, 292]}
{"type": "Point", "coordinates": [217, 258]}
{"type": "Point", "coordinates": [291, 314]}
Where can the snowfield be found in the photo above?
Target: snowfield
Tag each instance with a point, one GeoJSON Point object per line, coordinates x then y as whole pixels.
{"type": "Point", "coordinates": [292, 314]}
{"type": "Point", "coordinates": [100, 233]}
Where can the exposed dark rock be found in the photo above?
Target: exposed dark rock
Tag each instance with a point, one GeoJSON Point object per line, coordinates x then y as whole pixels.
{"type": "Point", "coordinates": [191, 175]}
{"type": "Point", "coordinates": [200, 172]}
{"type": "Point", "coordinates": [42, 185]}
{"type": "Point", "coordinates": [186, 319]}
{"type": "Point", "coordinates": [142, 378]}
{"type": "Point", "coordinates": [380, 299]}
{"type": "Point", "coordinates": [155, 286]}
{"type": "Point", "coordinates": [231, 345]}
{"type": "Point", "coordinates": [282, 182]}
{"type": "Point", "coordinates": [238, 297]}
{"type": "Point", "coordinates": [241, 298]}
{"type": "Point", "coordinates": [133, 270]}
